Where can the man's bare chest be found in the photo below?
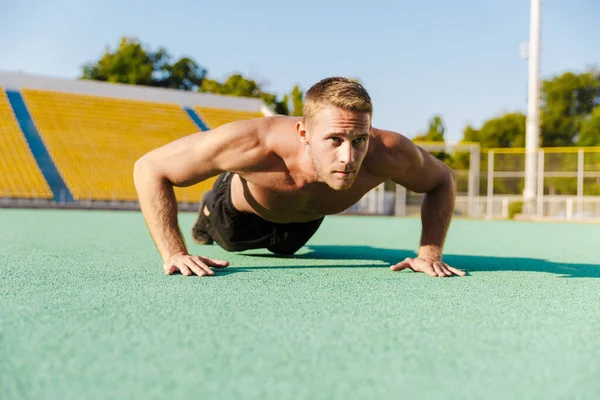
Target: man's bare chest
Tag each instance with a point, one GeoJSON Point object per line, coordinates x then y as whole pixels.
{"type": "Point", "coordinates": [276, 198]}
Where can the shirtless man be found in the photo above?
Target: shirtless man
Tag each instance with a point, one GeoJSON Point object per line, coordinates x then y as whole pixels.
{"type": "Point", "coordinates": [279, 176]}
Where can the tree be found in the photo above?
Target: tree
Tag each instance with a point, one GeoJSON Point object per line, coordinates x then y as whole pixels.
{"type": "Point", "coordinates": [590, 136]}
{"type": "Point", "coordinates": [435, 133]}
{"type": "Point", "coordinates": [590, 130]}
{"type": "Point", "coordinates": [507, 130]}
{"type": "Point", "coordinates": [129, 63]}
{"type": "Point", "coordinates": [567, 100]}
{"type": "Point", "coordinates": [238, 85]}
{"type": "Point", "coordinates": [133, 64]}
{"type": "Point", "coordinates": [282, 108]}
{"type": "Point", "coordinates": [471, 135]}
{"type": "Point", "coordinates": [184, 74]}
{"type": "Point", "coordinates": [234, 85]}
{"type": "Point", "coordinates": [297, 101]}
{"type": "Point", "coordinates": [504, 131]}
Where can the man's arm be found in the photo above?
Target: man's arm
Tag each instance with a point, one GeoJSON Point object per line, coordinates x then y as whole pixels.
{"type": "Point", "coordinates": [437, 181]}
{"type": "Point", "coordinates": [420, 172]}
{"type": "Point", "coordinates": [185, 162]}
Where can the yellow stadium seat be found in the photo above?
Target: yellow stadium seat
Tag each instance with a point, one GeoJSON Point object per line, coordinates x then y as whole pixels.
{"type": "Point", "coordinates": [20, 176]}
{"type": "Point", "coordinates": [95, 141]}
{"type": "Point", "coordinates": [215, 117]}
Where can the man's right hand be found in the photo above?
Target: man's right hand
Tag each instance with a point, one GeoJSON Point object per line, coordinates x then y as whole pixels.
{"type": "Point", "coordinates": [189, 265]}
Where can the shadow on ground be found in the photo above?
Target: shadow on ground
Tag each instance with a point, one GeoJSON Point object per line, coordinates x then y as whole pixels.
{"type": "Point", "coordinates": [467, 263]}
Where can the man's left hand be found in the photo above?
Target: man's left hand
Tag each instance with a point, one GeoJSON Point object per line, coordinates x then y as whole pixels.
{"type": "Point", "coordinates": [429, 266]}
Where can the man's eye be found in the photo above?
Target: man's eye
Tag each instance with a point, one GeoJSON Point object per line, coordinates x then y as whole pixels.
{"type": "Point", "coordinates": [359, 140]}
{"type": "Point", "coordinates": [336, 140]}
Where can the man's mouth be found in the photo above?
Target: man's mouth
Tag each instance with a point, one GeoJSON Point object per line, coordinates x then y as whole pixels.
{"type": "Point", "coordinates": [344, 173]}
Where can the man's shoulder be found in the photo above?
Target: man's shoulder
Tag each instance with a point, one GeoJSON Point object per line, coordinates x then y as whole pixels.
{"type": "Point", "coordinates": [257, 144]}
{"type": "Point", "coordinates": [391, 152]}
{"type": "Point", "coordinates": [277, 123]}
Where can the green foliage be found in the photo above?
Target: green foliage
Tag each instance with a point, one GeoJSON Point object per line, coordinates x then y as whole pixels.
{"type": "Point", "coordinates": [235, 85]}
{"type": "Point", "coordinates": [507, 130]}
{"type": "Point", "coordinates": [238, 85]}
{"type": "Point", "coordinates": [297, 101]}
{"type": "Point", "coordinates": [567, 100]}
{"type": "Point", "coordinates": [435, 133]}
{"type": "Point", "coordinates": [471, 134]}
{"type": "Point", "coordinates": [133, 64]}
{"type": "Point", "coordinates": [184, 74]}
{"type": "Point", "coordinates": [589, 134]}
{"type": "Point", "coordinates": [129, 63]}
{"type": "Point", "coordinates": [515, 208]}
{"type": "Point", "coordinates": [282, 107]}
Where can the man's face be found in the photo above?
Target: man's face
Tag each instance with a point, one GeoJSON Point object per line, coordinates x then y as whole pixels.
{"type": "Point", "coordinates": [337, 141]}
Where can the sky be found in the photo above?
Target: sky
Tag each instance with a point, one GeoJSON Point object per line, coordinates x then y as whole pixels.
{"type": "Point", "coordinates": [458, 59]}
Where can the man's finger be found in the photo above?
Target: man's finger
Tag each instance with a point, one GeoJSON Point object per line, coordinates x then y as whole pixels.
{"type": "Point", "coordinates": [170, 269]}
{"type": "Point", "coordinates": [184, 269]}
{"type": "Point", "coordinates": [444, 268]}
{"type": "Point", "coordinates": [427, 268]}
{"type": "Point", "coordinates": [457, 271]}
{"type": "Point", "coordinates": [430, 271]}
{"type": "Point", "coordinates": [197, 269]}
{"type": "Point", "coordinates": [438, 269]}
{"type": "Point", "coordinates": [214, 263]}
{"type": "Point", "coordinates": [402, 265]}
{"type": "Point", "coordinates": [204, 267]}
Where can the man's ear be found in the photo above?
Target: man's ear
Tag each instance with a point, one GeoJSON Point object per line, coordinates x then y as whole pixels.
{"type": "Point", "coordinates": [302, 132]}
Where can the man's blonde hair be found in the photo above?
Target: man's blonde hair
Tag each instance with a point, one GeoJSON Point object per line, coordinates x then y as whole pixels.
{"type": "Point", "coordinates": [339, 92]}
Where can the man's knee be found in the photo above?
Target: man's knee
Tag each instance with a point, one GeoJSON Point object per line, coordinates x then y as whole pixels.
{"type": "Point", "coordinates": [284, 249]}
{"type": "Point", "coordinates": [288, 241]}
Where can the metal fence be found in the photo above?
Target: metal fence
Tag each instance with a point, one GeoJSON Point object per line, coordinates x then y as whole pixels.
{"type": "Point", "coordinates": [490, 184]}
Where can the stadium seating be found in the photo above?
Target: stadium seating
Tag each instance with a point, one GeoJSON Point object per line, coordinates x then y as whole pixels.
{"type": "Point", "coordinates": [20, 176]}
{"type": "Point", "coordinates": [215, 117]}
{"type": "Point", "coordinates": [95, 141]}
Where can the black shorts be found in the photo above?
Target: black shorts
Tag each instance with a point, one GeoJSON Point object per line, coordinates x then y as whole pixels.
{"type": "Point", "coordinates": [237, 231]}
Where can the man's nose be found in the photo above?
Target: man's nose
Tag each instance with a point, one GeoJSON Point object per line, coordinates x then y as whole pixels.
{"type": "Point", "coordinates": [347, 154]}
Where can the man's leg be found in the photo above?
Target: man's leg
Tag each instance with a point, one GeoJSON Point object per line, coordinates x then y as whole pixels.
{"type": "Point", "coordinates": [200, 229]}
{"type": "Point", "coordinates": [289, 238]}
{"type": "Point", "coordinates": [219, 222]}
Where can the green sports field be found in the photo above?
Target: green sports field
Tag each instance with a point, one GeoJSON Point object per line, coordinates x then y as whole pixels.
{"type": "Point", "coordinates": [86, 312]}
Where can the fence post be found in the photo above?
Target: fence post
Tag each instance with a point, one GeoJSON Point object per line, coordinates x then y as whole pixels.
{"type": "Point", "coordinates": [505, 204]}
{"type": "Point", "coordinates": [569, 210]}
{"type": "Point", "coordinates": [381, 199]}
{"type": "Point", "coordinates": [540, 185]}
{"type": "Point", "coordinates": [400, 209]}
{"type": "Point", "coordinates": [490, 184]}
{"type": "Point", "coordinates": [473, 189]}
{"type": "Point", "coordinates": [580, 172]}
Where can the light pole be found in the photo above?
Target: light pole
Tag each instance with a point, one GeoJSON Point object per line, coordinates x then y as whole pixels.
{"type": "Point", "coordinates": [532, 132]}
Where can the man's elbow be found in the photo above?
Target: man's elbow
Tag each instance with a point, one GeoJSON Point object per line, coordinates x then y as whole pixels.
{"type": "Point", "coordinates": [450, 175]}
{"type": "Point", "coordinates": [145, 172]}
{"type": "Point", "coordinates": [140, 167]}
{"type": "Point", "coordinates": [451, 182]}
{"type": "Point", "coordinates": [446, 181]}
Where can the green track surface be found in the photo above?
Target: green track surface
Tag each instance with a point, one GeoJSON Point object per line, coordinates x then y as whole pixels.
{"type": "Point", "coordinates": [86, 312]}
